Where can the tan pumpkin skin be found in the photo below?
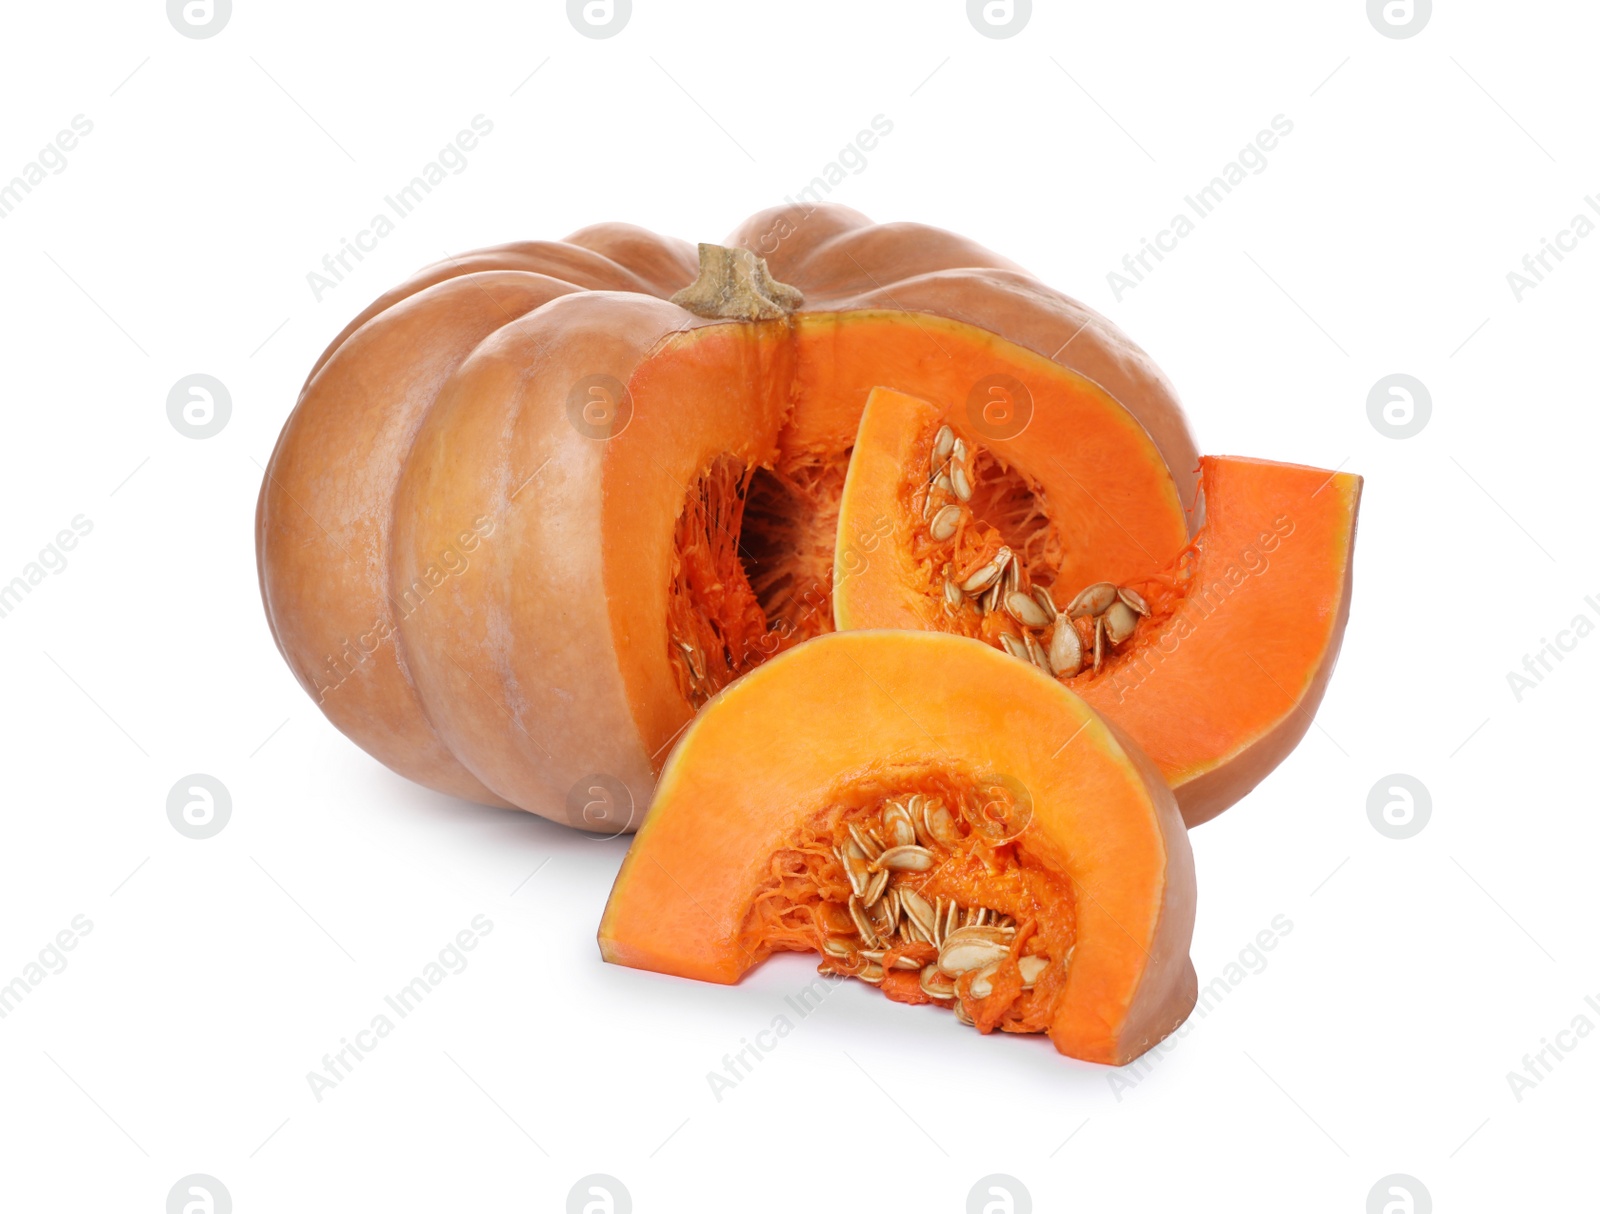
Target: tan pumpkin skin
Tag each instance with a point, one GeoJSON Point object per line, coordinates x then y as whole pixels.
{"type": "Point", "coordinates": [516, 652]}
{"type": "Point", "coordinates": [324, 529]}
{"type": "Point", "coordinates": [428, 414]}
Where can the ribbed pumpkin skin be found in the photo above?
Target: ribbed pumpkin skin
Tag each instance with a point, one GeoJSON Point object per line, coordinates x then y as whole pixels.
{"type": "Point", "coordinates": [441, 611]}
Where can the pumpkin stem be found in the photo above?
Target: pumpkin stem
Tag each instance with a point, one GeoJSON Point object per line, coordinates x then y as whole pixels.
{"type": "Point", "coordinates": [734, 285]}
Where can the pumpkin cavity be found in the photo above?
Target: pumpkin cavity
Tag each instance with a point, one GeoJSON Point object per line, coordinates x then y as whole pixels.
{"type": "Point", "coordinates": [989, 548]}
{"type": "Point", "coordinates": [922, 884]}
{"type": "Point", "coordinates": [752, 567]}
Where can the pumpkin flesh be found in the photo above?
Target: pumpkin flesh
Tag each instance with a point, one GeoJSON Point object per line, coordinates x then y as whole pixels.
{"type": "Point", "coordinates": [1088, 854]}
{"type": "Point", "coordinates": [803, 392]}
{"type": "Point", "coordinates": [1217, 683]}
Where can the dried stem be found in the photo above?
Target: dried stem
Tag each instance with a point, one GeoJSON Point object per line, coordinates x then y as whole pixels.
{"type": "Point", "coordinates": [734, 285]}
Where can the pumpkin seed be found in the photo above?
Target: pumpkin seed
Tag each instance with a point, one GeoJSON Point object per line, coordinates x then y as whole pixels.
{"type": "Point", "coordinates": [945, 523]}
{"type": "Point", "coordinates": [936, 984]}
{"type": "Point", "coordinates": [837, 946]}
{"type": "Point", "coordinates": [971, 948]}
{"type": "Point", "coordinates": [692, 656]}
{"type": "Point", "coordinates": [1025, 609]}
{"type": "Point", "coordinates": [1042, 597]}
{"type": "Point", "coordinates": [1036, 654]}
{"type": "Point", "coordinates": [982, 985]}
{"type": "Point", "coordinates": [1099, 642]}
{"type": "Point", "coordinates": [990, 573]}
{"type": "Point", "coordinates": [952, 915]}
{"type": "Point", "coordinates": [1066, 649]}
{"type": "Point", "coordinates": [964, 1016]}
{"type": "Point", "coordinates": [855, 867]}
{"type": "Point", "coordinates": [1134, 599]}
{"type": "Point", "coordinates": [904, 860]}
{"type": "Point", "coordinates": [871, 972]}
{"type": "Point", "coordinates": [919, 819]}
{"type": "Point", "coordinates": [1120, 621]}
{"type": "Point", "coordinates": [869, 849]}
{"type": "Point", "coordinates": [943, 443]}
{"type": "Point", "coordinates": [958, 451]}
{"type": "Point", "coordinates": [953, 598]}
{"type": "Point", "coordinates": [1092, 600]}
{"type": "Point", "coordinates": [897, 823]}
{"type": "Point", "coordinates": [943, 483]}
{"type": "Point", "coordinates": [991, 598]}
{"type": "Point", "coordinates": [858, 916]}
{"type": "Point", "coordinates": [879, 913]}
{"type": "Point", "coordinates": [874, 894]}
{"type": "Point", "coordinates": [1013, 646]}
{"type": "Point", "coordinates": [959, 482]}
{"type": "Point", "coordinates": [1031, 968]}
{"type": "Point", "coordinates": [918, 913]}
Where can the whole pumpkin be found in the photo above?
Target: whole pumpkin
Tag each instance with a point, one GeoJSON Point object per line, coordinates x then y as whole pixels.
{"type": "Point", "coordinates": [538, 503]}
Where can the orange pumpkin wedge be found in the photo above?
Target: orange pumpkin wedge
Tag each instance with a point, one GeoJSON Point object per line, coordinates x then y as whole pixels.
{"type": "Point", "coordinates": [1213, 662]}
{"type": "Point", "coordinates": [934, 818]}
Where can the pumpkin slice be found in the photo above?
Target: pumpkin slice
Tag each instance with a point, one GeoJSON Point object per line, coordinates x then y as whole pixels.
{"type": "Point", "coordinates": [933, 818]}
{"type": "Point", "coordinates": [1213, 662]}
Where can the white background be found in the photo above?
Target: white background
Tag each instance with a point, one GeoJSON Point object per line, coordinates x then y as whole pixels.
{"type": "Point", "coordinates": [218, 973]}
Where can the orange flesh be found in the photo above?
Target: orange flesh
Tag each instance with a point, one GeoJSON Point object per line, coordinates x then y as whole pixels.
{"type": "Point", "coordinates": [1006, 513]}
{"type": "Point", "coordinates": [1248, 627]}
{"type": "Point", "coordinates": [1217, 681]}
{"type": "Point", "coordinates": [804, 900]}
{"type": "Point", "coordinates": [734, 860]}
{"type": "Point", "coordinates": [739, 441]}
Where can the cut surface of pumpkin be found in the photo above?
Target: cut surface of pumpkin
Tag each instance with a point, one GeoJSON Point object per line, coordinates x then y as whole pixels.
{"type": "Point", "coordinates": [933, 818]}
{"type": "Point", "coordinates": [538, 504]}
{"type": "Point", "coordinates": [1213, 659]}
